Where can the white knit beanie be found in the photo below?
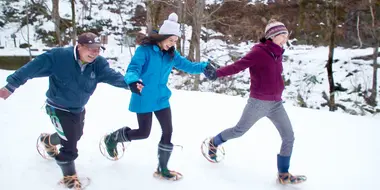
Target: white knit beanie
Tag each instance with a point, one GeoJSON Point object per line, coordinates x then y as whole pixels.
{"type": "Point", "coordinates": [170, 26]}
{"type": "Point", "coordinates": [275, 28]}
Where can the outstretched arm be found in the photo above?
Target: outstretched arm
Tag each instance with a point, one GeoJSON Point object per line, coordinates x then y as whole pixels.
{"type": "Point", "coordinates": [248, 60]}
{"type": "Point", "coordinates": [185, 65]}
{"type": "Point", "coordinates": [110, 76]}
{"type": "Point", "coordinates": [40, 66]}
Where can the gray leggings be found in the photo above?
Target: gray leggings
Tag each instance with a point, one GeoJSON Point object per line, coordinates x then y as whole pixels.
{"type": "Point", "coordinates": [257, 109]}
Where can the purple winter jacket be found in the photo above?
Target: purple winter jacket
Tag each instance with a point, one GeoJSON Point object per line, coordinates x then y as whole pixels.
{"type": "Point", "coordinates": [265, 67]}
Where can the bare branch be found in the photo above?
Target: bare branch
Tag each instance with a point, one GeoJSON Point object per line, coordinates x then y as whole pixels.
{"type": "Point", "coordinates": [358, 30]}
{"type": "Point", "coordinates": [168, 3]}
{"type": "Point", "coordinates": [213, 12]}
{"type": "Point", "coordinates": [372, 13]}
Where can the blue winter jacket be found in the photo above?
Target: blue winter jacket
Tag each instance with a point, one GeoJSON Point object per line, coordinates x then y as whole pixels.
{"type": "Point", "coordinates": [152, 67]}
{"type": "Point", "coordinates": [71, 83]}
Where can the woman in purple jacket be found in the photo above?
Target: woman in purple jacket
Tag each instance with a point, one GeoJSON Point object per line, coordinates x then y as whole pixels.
{"type": "Point", "coordinates": [265, 67]}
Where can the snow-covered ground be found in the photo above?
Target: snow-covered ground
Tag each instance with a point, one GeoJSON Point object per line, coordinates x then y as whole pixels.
{"type": "Point", "coordinates": [336, 151]}
{"type": "Point", "coordinates": [304, 65]}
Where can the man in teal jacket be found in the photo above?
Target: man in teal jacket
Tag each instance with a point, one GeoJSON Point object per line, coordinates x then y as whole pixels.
{"type": "Point", "coordinates": [147, 76]}
{"type": "Point", "coordinates": [74, 73]}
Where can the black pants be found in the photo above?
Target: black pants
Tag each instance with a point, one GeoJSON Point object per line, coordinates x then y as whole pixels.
{"type": "Point", "coordinates": [69, 127]}
{"type": "Point", "coordinates": [163, 116]}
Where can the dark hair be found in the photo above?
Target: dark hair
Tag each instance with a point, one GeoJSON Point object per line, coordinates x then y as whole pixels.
{"type": "Point", "coordinates": [263, 39]}
{"type": "Point", "coordinates": [153, 39]}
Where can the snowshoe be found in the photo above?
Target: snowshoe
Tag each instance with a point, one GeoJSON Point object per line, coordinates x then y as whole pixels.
{"type": "Point", "coordinates": [75, 183]}
{"type": "Point", "coordinates": [287, 178]}
{"type": "Point", "coordinates": [167, 175]}
{"type": "Point", "coordinates": [112, 150]}
{"type": "Point", "coordinates": [45, 148]}
{"type": "Point", "coordinates": [212, 153]}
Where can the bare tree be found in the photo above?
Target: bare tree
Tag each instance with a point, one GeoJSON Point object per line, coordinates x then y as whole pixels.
{"type": "Point", "coordinates": [57, 21]}
{"type": "Point", "coordinates": [28, 39]}
{"type": "Point", "coordinates": [121, 5]}
{"type": "Point", "coordinates": [331, 15]}
{"type": "Point", "coordinates": [153, 12]}
{"type": "Point", "coordinates": [73, 22]}
{"type": "Point", "coordinates": [197, 17]}
{"type": "Point", "coordinates": [375, 30]}
{"type": "Point", "coordinates": [149, 20]}
{"type": "Point", "coordinates": [195, 9]}
{"type": "Point", "coordinates": [358, 29]}
{"type": "Point", "coordinates": [181, 16]}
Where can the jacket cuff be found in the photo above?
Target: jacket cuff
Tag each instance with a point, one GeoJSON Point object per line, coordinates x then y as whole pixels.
{"type": "Point", "coordinates": [10, 88]}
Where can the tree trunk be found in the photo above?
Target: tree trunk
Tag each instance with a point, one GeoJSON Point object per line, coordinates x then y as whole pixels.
{"type": "Point", "coordinates": [149, 21]}
{"type": "Point", "coordinates": [331, 16]}
{"type": "Point", "coordinates": [156, 16]}
{"type": "Point", "coordinates": [358, 30]}
{"type": "Point", "coordinates": [301, 17]}
{"type": "Point", "coordinates": [90, 9]}
{"type": "Point", "coordinates": [372, 98]}
{"type": "Point", "coordinates": [153, 15]}
{"type": "Point", "coordinates": [74, 33]}
{"type": "Point", "coordinates": [27, 33]}
{"type": "Point", "coordinates": [57, 21]}
{"type": "Point", "coordinates": [181, 17]}
{"type": "Point", "coordinates": [184, 15]}
{"type": "Point", "coordinates": [197, 27]}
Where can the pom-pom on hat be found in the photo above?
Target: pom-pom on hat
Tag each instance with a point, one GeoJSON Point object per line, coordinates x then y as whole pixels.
{"type": "Point", "coordinates": [170, 26]}
{"type": "Point", "coordinates": [275, 28]}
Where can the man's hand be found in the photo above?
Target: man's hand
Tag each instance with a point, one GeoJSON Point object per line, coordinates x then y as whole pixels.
{"type": "Point", "coordinates": [4, 93]}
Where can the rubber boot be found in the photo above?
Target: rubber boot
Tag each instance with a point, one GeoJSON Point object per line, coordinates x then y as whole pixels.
{"type": "Point", "coordinates": [164, 153]}
{"type": "Point", "coordinates": [112, 139]}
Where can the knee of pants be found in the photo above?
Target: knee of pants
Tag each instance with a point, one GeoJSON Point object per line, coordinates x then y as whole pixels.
{"type": "Point", "coordinates": [144, 134]}
{"type": "Point", "coordinates": [68, 150]}
{"type": "Point", "coordinates": [67, 154]}
{"type": "Point", "coordinates": [289, 140]}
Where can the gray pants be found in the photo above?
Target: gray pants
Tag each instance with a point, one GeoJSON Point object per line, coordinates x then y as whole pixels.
{"type": "Point", "coordinates": [257, 109]}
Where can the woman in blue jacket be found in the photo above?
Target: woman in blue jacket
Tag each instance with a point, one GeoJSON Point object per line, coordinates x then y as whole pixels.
{"type": "Point", "coordinates": [147, 76]}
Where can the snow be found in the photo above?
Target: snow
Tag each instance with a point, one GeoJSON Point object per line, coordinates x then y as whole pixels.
{"type": "Point", "coordinates": [304, 65]}
{"type": "Point", "coordinates": [335, 151]}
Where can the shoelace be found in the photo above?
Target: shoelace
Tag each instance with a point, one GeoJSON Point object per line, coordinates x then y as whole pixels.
{"type": "Point", "coordinates": [72, 181]}
{"type": "Point", "coordinates": [49, 147]}
{"type": "Point", "coordinates": [288, 178]}
{"type": "Point", "coordinates": [212, 148]}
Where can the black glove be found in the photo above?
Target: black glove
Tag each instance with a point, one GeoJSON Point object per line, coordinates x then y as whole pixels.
{"type": "Point", "coordinates": [210, 71]}
{"type": "Point", "coordinates": [133, 87]}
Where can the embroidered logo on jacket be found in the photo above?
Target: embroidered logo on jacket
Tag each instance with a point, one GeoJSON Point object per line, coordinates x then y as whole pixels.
{"type": "Point", "coordinates": [92, 75]}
